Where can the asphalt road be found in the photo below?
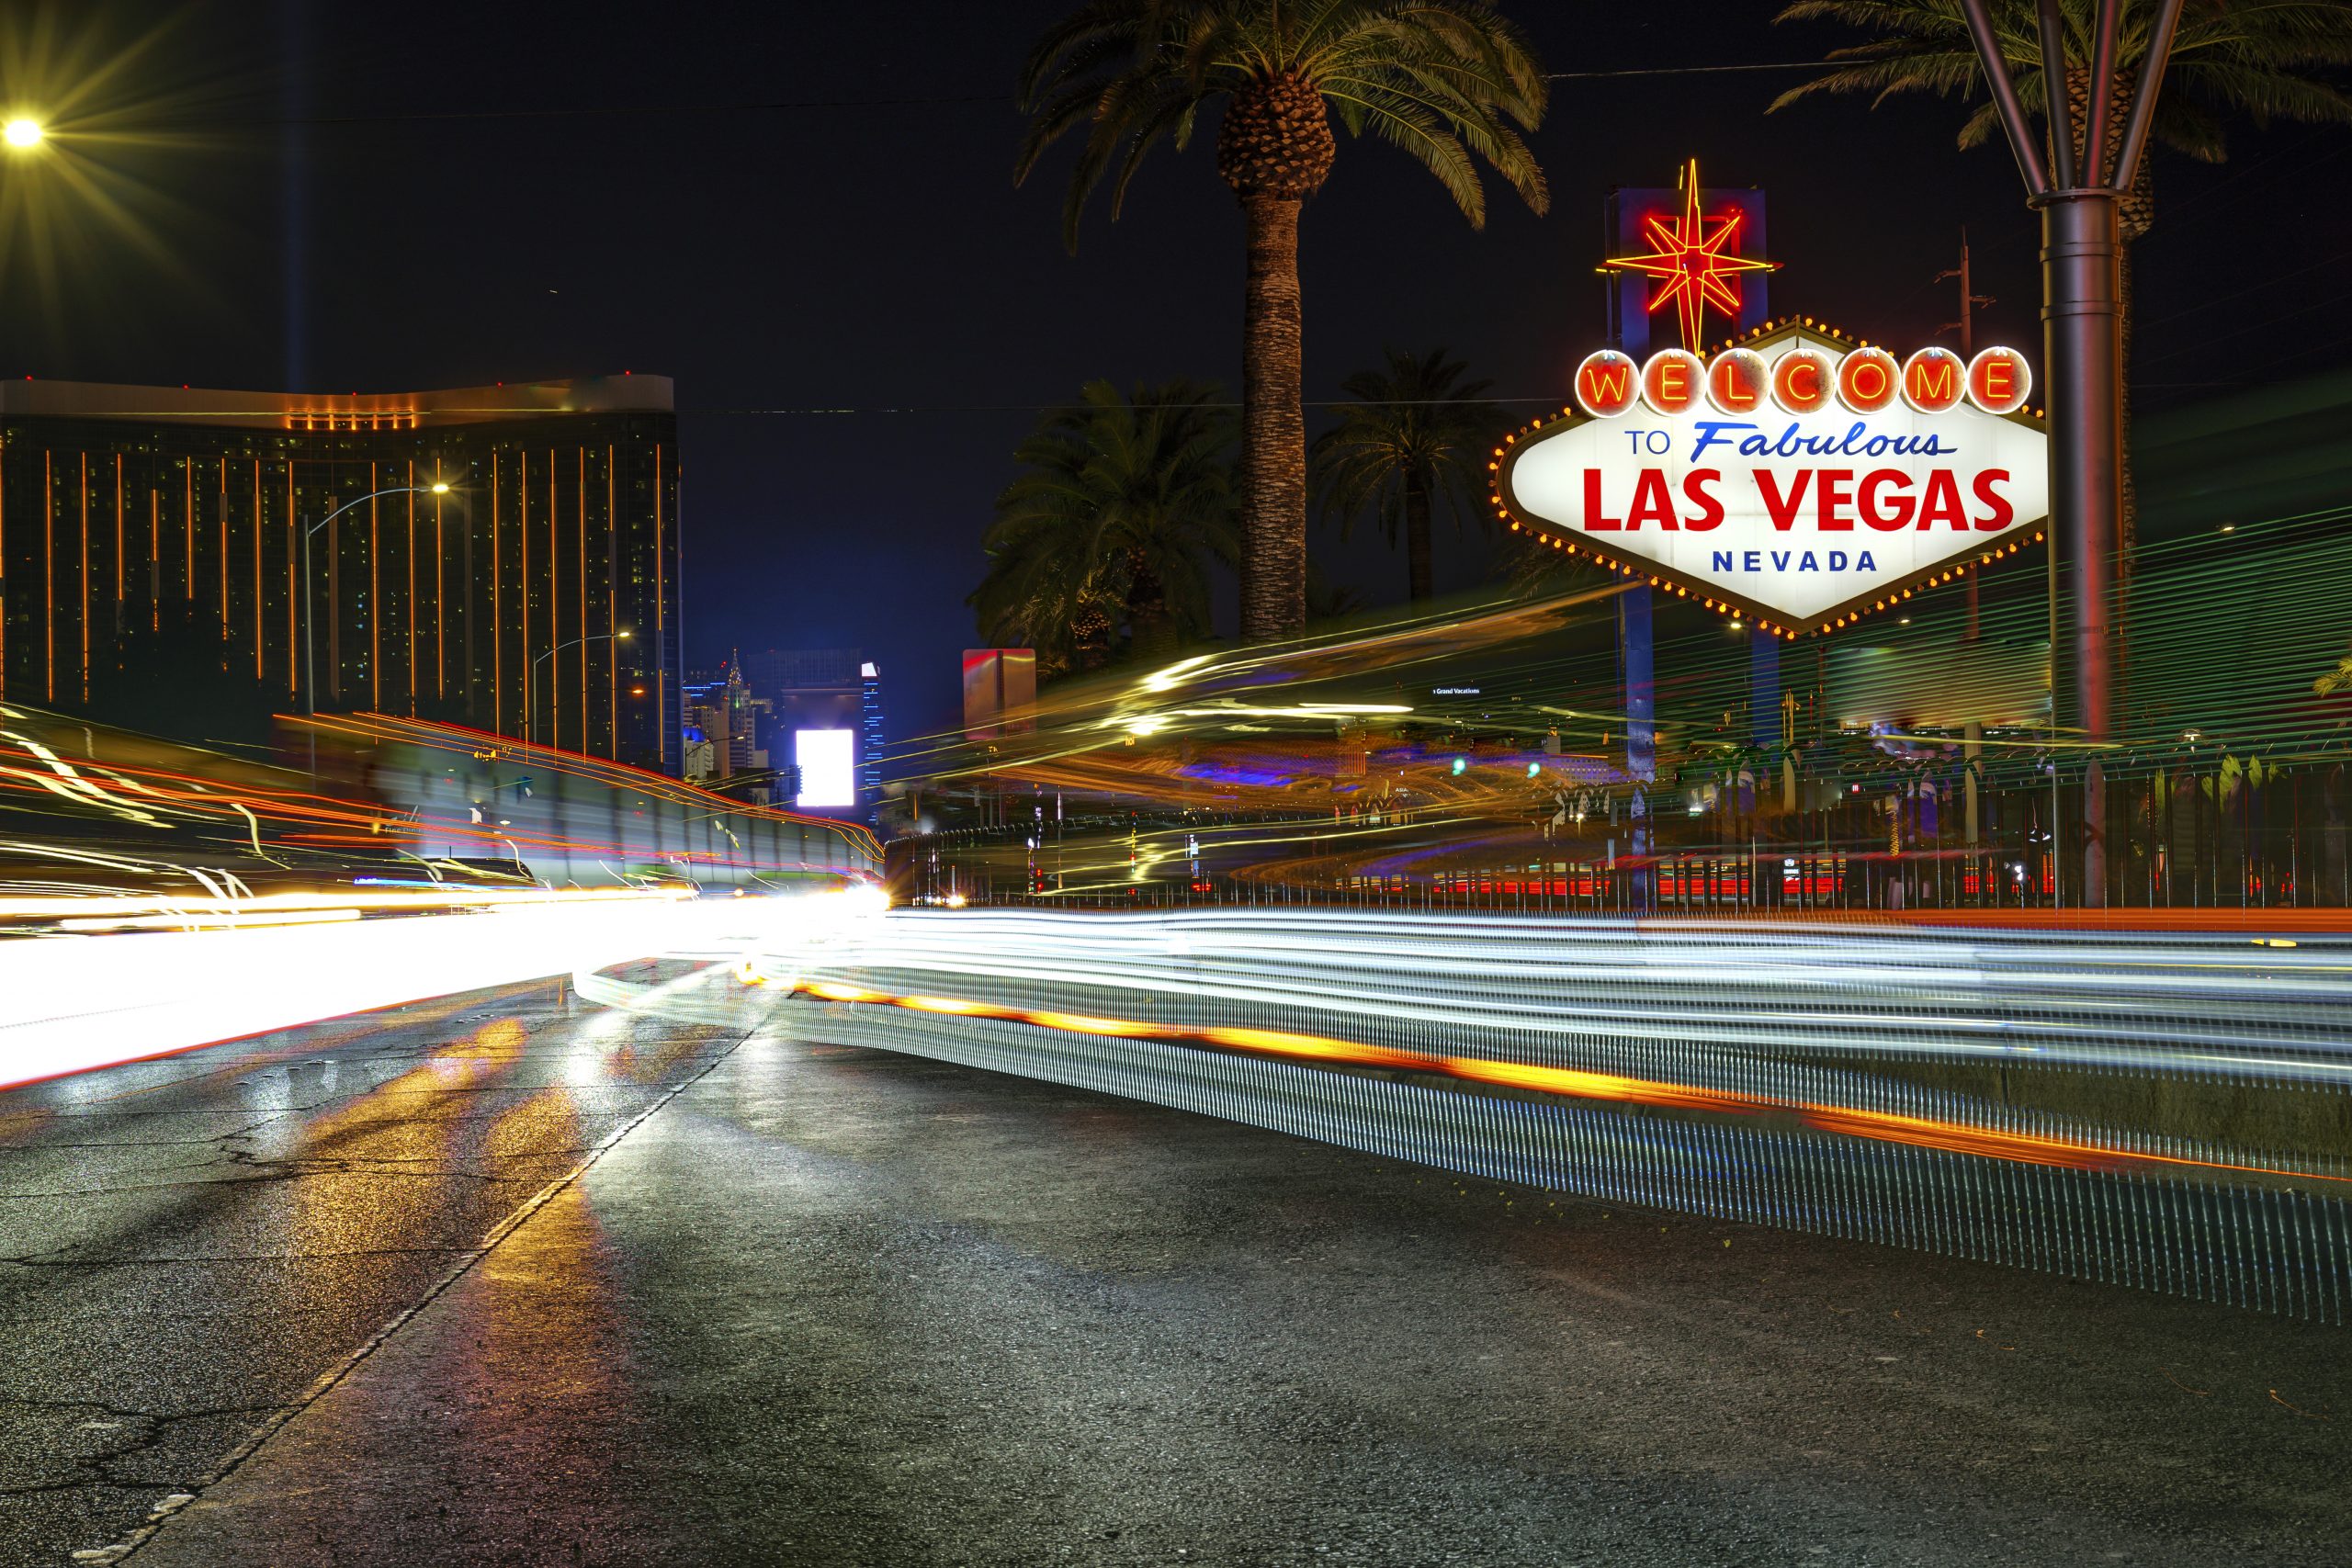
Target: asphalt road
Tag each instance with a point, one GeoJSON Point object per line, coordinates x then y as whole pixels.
{"type": "Point", "coordinates": [832, 1307]}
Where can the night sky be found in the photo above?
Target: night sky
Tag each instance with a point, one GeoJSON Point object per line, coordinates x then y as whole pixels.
{"type": "Point", "coordinates": [804, 213]}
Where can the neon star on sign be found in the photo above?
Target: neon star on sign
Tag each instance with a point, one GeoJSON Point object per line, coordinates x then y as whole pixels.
{"type": "Point", "coordinates": [1696, 261]}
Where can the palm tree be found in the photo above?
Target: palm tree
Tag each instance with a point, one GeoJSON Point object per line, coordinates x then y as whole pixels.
{"type": "Point", "coordinates": [1417, 434]}
{"type": "Point", "coordinates": [1122, 502]}
{"type": "Point", "coordinates": [1441, 79]}
{"type": "Point", "coordinates": [2228, 56]}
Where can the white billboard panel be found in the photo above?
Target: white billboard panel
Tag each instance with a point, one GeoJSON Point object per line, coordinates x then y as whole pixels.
{"type": "Point", "coordinates": [828, 760]}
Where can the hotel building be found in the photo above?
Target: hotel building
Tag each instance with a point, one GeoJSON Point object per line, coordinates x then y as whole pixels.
{"type": "Point", "coordinates": [498, 603]}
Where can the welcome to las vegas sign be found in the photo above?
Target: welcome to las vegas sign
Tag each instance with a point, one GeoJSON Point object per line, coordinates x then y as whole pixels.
{"type": "Point", "coordinates": [1796, 479]}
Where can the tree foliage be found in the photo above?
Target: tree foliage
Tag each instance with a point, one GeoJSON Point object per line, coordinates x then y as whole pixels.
{"type": "Point", "coordinates": [1449, 81]}
{"type": "Point", "coordinates": [1415, 439]}
{"type": "Point", "coordinates": [2228, 57]}
{"type": "Point", "coordinates": [1122, 505]}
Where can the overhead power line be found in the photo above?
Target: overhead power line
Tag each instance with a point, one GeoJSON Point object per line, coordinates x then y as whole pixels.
{"type": "Point", "coordinates": [1691, 70]}
{"type": "Point", "coordinates": [775, 106]}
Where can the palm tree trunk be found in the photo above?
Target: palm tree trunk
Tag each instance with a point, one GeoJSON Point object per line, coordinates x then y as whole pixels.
{"type": "Point", "coordinates": [1273, 427]}
{"type": "Point", "coordinates": [1419, 572]}
{"type": "Point", "coordinates": [1151, 630]}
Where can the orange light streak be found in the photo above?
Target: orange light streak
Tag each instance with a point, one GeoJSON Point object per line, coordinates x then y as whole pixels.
{"type": "Point", "coordinates": [1575, 1083]}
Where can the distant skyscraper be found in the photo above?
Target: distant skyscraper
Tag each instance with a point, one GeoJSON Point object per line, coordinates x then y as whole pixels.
{"type": "Point", "coordinates": [869, 766]}
{"type": "Point", "coordinates": [728, 729]}
{"type": "Point", "coordinates": [495, 603]}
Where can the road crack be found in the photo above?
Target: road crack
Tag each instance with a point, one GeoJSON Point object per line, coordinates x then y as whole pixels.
{"type": "Point", "coordinates": [280, 1416]}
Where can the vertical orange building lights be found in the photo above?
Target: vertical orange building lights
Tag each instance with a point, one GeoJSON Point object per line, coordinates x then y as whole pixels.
{"type": "Point", "coordinates": [293, 595]}
{"type": "Point", "coordinates": [83, 487]}
{"type": "Point", "coordinates": [611, 607]}
{"type": "Point", "coordinates": [411, 588]}
{"type": "Point", "coordinates": [554, 614]}
{"type": "Point", "coordinates": [522, 539]}
{"type": "Point", "coordinates": [660, 646]}
{"type": "Point", "coordinates": [375, 596]}
{"type": "Point", "coordinates": [226, 582]}
{"type": "Point", "coordinates": [581, 511]}
{"type": "Point", "coordinates": [49, 567]}
{"type": "Point", "coordinates": [224, 554]}
{"type": "Point", "coordinates": [497, 617]}
{"type": "Point", "coordinates": [257, 593]}
{"type": "Point", "coordinates": [440, 656]}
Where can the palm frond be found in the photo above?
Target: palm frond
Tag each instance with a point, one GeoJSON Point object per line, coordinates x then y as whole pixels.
{"type": "Point", "coordinates": [2252, 60]}
{"type": "Point", "coordinates": [1121, 502]}
{"type": "Point", "coordinates": [1452, 82]}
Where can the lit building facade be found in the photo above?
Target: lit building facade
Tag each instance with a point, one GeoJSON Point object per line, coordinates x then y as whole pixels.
{"type": "Point", "coordinates": [497, 603]}
{"type": "Point", "coordinates": [869, 762]}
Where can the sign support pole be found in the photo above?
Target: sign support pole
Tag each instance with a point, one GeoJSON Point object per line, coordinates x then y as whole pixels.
{"type": "Point", "coordinates": [1641, 721]}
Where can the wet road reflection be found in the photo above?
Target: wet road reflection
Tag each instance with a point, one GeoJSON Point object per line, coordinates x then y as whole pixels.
{"type": "Point", "coordinates": [186, 1245]}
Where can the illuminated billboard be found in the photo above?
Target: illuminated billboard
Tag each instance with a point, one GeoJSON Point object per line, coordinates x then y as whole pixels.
{"type": "Point", "coordinates": [828, 763]}
{"type": "Point", "coordinates": [1795, 478]}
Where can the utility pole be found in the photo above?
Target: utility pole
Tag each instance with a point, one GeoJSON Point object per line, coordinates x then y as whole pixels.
{"type": "Point", "coordinates": [2082, 338]}
{"type": "Point", "coordinates": [1972, 746]}
{"type": "Point", "coordinates": [1968, 299]}
{"type": "Point", "coordinates": [1966, 327]}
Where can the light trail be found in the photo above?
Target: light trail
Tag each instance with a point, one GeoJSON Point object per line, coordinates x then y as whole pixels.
{"type": "Point", "coordinates": [1574, 1083]}
{"type": "Point", "coordinates": [2155, 1109]}
{"type": "Point", "coordinates": [71, 1004]}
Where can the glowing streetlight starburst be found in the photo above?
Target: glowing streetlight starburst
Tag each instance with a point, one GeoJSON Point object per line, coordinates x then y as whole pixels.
{"type": "Point", "coordinates": [1699, 264]}
{"type": "Point", "coordinates": [21, 133]}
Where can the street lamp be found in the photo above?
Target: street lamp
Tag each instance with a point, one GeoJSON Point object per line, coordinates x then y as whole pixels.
{"type": "Point", "coordinates": [22, 134]}
{"type": "Point", "coordinates": [531, 686]}
{"type": "Point", "coordinates": [310, 612]}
